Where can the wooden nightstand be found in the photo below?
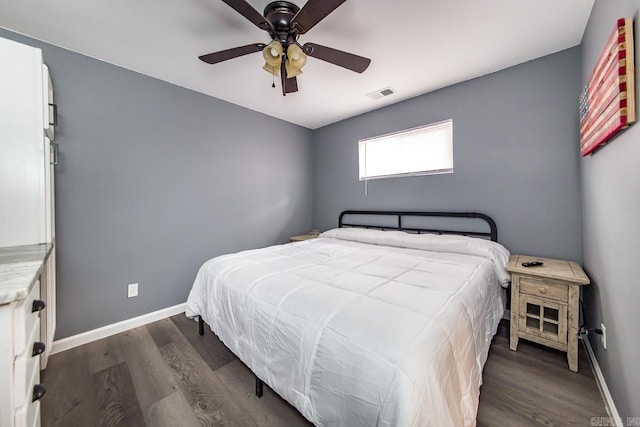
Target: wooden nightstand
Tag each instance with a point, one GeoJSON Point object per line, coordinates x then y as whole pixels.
{"type": "Point", "coordinates": [545, 303]}
{"type": "Point", "coordinates": [302, 237]}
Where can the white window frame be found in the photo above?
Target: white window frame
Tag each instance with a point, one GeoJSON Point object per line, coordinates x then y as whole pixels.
{"type": "Point", "coordinates": [439, 135]}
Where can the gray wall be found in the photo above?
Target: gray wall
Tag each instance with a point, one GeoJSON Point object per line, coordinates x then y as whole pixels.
{"type": "Point", "coordinates": [611, 231]}
{"type": "Point", "coordinates": [515, 156]}
{"type": "Point", "coordinates": [155, 179]}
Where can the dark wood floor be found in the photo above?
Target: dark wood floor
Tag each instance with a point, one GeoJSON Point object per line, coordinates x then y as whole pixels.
{"type": "Point", "coordinates": [165, 374]}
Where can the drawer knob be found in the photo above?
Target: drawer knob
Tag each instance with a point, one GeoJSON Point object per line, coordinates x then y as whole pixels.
{"type": "Point", "coordinates": [38, 305]}
{"type": "Point", "coordinates": [38, 392]}
{"type": "Point", "coordinates": [522, 315]}
{"type": "Point", "coordinates": [542, 290]}
{"type": "Point", "coordinates": [38, 348]}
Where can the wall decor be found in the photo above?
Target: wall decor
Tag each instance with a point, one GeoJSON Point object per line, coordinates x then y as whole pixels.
{"type": "Point", "coordinates": [607, 103]}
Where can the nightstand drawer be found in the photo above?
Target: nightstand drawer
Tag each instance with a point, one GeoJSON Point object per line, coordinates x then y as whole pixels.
{"type": "Point", "coordinates": [544, 288]}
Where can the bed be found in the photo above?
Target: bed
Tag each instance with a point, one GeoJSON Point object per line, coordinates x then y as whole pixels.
{"type": "Point", "coordinates": [365, 325]}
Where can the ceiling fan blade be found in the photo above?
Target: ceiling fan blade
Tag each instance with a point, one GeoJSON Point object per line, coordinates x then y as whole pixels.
{"type": "Point", "coordinates": [338, 57]}
{"type": "Point", "coordinates": [313, 12]}
{"type": "Point", "coordinates": [223, 55]}
{"type": "Point", "coordinates": [288, 85]}
{"type": "Point", "coordinates": [246, 10]}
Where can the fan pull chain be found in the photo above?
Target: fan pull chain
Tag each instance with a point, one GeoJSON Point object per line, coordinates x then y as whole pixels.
{"type": "Point", "coordinates": [273, 80]}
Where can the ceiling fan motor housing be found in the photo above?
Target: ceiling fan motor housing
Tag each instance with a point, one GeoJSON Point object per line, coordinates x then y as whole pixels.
{"type": "Point", "coordinates": [280, 14]}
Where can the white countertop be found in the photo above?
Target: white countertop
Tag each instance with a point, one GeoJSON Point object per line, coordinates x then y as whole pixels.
{"type": "Point", "coordinates": [20, 266]}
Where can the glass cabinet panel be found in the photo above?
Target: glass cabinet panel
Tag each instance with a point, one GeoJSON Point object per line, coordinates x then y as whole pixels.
{"type": "Point", "coordinates": [543, 318]}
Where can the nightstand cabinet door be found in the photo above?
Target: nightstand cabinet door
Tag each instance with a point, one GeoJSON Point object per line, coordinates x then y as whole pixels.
{"type": "Point", "coordinates": [543, 318]}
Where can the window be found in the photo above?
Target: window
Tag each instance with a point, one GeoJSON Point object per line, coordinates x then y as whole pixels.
{"type": "Point", "coordinates": [424, 150]}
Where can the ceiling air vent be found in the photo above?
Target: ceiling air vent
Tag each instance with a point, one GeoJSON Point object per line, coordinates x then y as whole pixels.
{"type": "Point", "coordinates": [381, 93]}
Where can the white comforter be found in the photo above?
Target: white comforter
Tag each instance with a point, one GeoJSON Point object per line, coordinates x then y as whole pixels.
{"type": "Point", "coordinates": [362, 327]}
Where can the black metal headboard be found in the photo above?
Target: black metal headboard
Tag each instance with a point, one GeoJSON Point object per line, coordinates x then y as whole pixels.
{"type": "Point", "coordinates": [400, 215]}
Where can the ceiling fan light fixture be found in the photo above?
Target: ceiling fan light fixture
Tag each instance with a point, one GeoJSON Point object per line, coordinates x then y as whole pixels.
{"type": "Point", "coordinates": [271, 70]}
{"type": "Point", "coordinates": [272, 55]}
{"type": "Point", "coordinates": [296, 59]}
{"type": "Point", "coordinates": [284, 21]}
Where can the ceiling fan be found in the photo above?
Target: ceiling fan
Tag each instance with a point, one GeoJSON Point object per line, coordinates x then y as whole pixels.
{"type": "Point", "coordinates": [284, 56]}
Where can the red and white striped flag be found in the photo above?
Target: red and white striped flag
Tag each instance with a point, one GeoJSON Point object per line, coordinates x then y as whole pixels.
{"type": "Point", "coordinates": [607, 103]}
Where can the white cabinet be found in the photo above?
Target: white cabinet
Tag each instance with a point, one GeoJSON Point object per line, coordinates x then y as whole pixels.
{"type": "Point", "coordinates": [27, 114]}
{"type": "Point", "coordinates": [22, 272]}
{"type": "Point", "coordinates": [50, 109]}
{"type": "Point", "coordinates": [27, 215]}
{"type": "Point", "coordinates": [23, 216]}
{"type": "Point", "coordinates": [26, 366]}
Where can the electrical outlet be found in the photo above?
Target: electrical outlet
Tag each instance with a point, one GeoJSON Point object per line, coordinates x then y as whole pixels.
{"type": "Point", "coordinates": [132, 290]}
{"type": "Point", "coordinates": [603, 337]}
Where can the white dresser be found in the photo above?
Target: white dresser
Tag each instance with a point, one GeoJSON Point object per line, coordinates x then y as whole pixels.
{"type": "Point", "coordinates": [27, 230]}
{"type": "Point", "coordinates": [23, 271]}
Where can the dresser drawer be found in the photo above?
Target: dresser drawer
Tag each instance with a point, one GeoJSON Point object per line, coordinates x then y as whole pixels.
{"type": "Point", "coordinates": [25, 367]}
{"type": "Point", "coordinates": [24, 318]}
{"type": "Point", "coordinates": [36, 421]}
{"type": "Point", "coordinates": [544, 288]}
{"type": "Point", "coordinates": [28, 415]}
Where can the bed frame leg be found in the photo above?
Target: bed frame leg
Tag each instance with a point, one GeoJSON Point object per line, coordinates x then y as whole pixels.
{"type": "Point", "coordinates": [259, 384]}
{"type": "Point", "coordinates": [200, 325]}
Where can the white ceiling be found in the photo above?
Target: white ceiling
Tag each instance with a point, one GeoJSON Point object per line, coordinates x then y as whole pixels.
{"type": "Point", "coordinates": [416, 46]}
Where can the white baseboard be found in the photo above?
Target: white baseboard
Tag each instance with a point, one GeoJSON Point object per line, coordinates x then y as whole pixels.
{"type": "Point", "coordinates": [115, 328]}
{"type": "Point", "coordinates": [602, 384]}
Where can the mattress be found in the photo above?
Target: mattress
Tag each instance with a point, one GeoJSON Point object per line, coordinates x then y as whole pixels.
{"type": "Point", "coordinates": [362, 327]}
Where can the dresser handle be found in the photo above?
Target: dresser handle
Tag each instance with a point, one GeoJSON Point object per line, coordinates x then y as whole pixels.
{"type": "Point", "coordinates": [38, 305]}
{"type": "Point", "coordinates": [38, 392]}
{"type": "Point", "coordinates": [38, 348]}
{"type": "Point", "coordinates": [522, 315]}
{"type": "Point", "coordinates": [54, 113]}
{"type": "Point", "coordinates": [542, 290]}
{"type": "Point", "coordinates": [56, 154]}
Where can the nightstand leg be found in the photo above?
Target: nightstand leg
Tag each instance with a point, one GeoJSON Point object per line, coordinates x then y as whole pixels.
{"type": "Point", "coordinates": [513, 344]}
{"type": "Point", "coordinates": [572, 330]}
{"type": "Point", "coordinates": [513, 328]}
{"type": "Point", "coordinates": [572, 357]}
{"type": "Point", "coordinates": [513, 324]}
